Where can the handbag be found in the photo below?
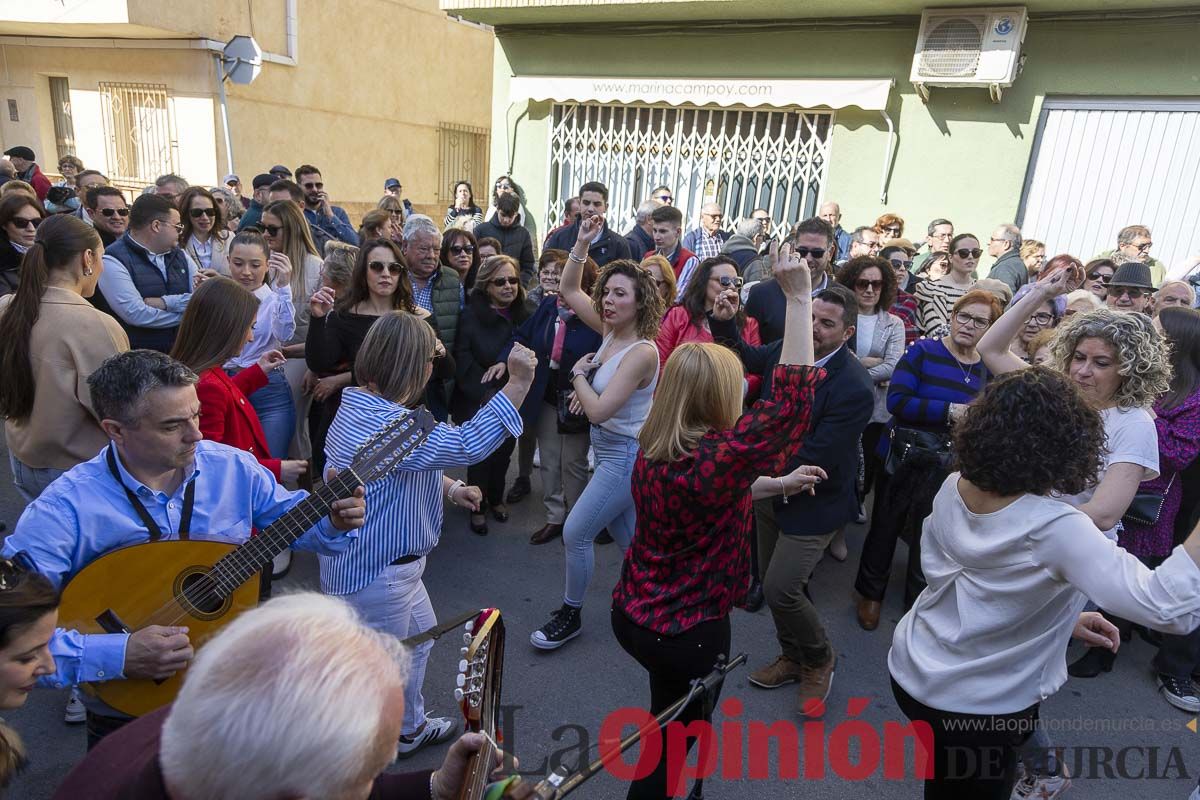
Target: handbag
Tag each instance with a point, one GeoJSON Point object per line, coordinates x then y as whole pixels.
{"type": "Point", "coordinates": [1146, 507]}
{"type": "Point", "coordinates": [568, 421]}
{"type": "Point", "coordinates": [909, 442]}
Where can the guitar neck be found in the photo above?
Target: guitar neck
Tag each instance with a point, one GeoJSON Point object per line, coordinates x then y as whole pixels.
{"type": "Point", "coordinates": [240, 565]}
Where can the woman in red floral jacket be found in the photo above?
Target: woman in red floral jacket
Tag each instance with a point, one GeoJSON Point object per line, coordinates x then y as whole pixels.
{"type": "Point", "coordinates": [702, 463]}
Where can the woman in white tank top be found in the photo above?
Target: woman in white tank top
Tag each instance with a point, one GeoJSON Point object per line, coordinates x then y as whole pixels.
{"type": "Point", "coordinates": [625, 307]}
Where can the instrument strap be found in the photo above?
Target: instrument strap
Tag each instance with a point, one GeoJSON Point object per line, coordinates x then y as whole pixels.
{"type": "Point", "coordinates": [185, 519]}
{"type": "Point", "coordinates": [438, 631]}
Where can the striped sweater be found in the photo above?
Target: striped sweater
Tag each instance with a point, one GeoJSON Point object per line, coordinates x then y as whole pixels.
{"type": "Point", "coordinates": [927, 380]}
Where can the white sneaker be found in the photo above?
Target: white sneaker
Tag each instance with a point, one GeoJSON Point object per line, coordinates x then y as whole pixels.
{"type": "Point", "coordinates": [437, 729]}
{"type": "Point", "coordinates": [75, 712]}
{"type": "Point", "coordinates": [1195, 795]}
{"type": "Point", "coordinates": [1041, 787]}
{"type": "Point", "coordinates": [537, 456]}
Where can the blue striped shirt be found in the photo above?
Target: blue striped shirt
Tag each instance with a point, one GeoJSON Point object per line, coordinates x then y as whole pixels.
{"type": "Point", "coordinates": [404, 508]}
{"type": "Point", "coordinates": [927, 380]}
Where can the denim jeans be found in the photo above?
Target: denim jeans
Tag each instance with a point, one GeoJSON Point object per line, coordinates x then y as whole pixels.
{"type": "Point", "coordinates": [607, 502]}
{"type": "Point", "coordinates": [276, 412]}
{"type": "Point", "coordinates": [396, 602]}
{"type": "Point", "coordinates": [31, 482]}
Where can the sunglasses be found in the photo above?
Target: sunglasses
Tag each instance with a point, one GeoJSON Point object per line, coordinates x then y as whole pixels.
{"type": "Point", "coordinates": [963, 252]}
{"type": "Point", "coordinates": [272, 230]}
{"type": "Point", "coordinates": [394, 267]}
{"type": "Point", "coordinates": [730, 282]}
{"type": "Point", "coordinates": [862, 284]}
{"type": "Point", "coordinates": [893, 232]}
{"type": "Point", "coordinates": [666, 198]}
{"type": "Point", "coordinates": [1129, 291]}
{"type": "Point", "coordinates": [898, 264]}
{"type": "Point", "coordinates": [804, 252]}
{"type": "Point", "coordinates": [459, 249]}
{"type": "Point", "coordinates": [1100, 276]}
{"type": "Point", "coordinates": [119, 212]}
{"type": "Point", "coordinates": [968, 321]}
{"type": "Point", "coordinates": [197, 213]}
{"type": "Point", "coordinates": [317, 186]}
{"type": "Point", "coordinates": [22, 222]}
{"type": "Point", "coordinates": [396, 212]}
{"type": "Point", "coordinates": [501, 282]}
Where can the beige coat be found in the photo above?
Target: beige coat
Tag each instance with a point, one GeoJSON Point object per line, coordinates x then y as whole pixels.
{"type": "Point", "coordinates": [69, 342]}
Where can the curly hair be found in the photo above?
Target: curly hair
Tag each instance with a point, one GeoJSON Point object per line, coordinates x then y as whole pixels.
{"type": "Point", "coordinates": [849, 273]}
{"type": "Point", "coordinates": [650, 306]}
{"type": "Point", "coordinates": [1062, 437]}
{"type": "Point", "coordinates": [1143, 356]}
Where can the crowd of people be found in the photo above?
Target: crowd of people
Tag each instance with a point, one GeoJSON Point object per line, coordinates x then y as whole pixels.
{"type": "Point", "coordinates": [721, 402]}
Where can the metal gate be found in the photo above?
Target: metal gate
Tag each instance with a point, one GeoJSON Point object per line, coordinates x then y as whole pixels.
{"type": "Point", "coordinates": [741, 159]}
{"type": "Point", "coordinates": [463, 156]}
{"type": "Point", "coordinates": [139, 131]}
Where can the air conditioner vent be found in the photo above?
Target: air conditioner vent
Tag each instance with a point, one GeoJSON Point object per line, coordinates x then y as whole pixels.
{"type": "Point", "coordinates": [952, 49]}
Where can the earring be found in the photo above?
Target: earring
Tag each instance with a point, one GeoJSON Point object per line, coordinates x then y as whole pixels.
{"type": "Point", "coordinates": [87, 273]}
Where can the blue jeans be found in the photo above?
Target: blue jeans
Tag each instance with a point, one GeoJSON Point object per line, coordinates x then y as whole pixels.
{"type": "Point", "coordinates": [276, 412]}
{"type": "Point", "coordinates": [607, 502]}
{"type": "Point", "coordinates": [396, 603]}
{"type": "Point", "coordinates": [31, 482]}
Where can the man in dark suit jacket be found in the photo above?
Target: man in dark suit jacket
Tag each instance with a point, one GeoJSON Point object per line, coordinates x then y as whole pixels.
{"type": "Point", "coordinates": [793, 534]}
{"type": "Point", "coordinates": [610, 245]}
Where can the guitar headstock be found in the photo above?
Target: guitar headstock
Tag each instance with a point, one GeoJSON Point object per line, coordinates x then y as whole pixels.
{"type": "Point", "coordinates": [479, 670]}
{"type": "Point", "coordinates": [384, 451]}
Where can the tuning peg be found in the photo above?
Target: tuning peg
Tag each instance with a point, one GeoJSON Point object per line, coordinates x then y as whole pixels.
{"type": "Point", "coordinates": [462, 665]}
{"type": "Point", "coordinates": [460, 680]}
{"type": "Point", "coordinates": [462, 651]}
{"type": "Point", "coordinates": [458, 695]}
{"type": "Point", "coordinates": [466, 638]}
{"type": "Point", "coordinates": [470, 626]}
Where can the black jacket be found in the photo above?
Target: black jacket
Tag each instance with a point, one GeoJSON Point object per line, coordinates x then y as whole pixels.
{"type": "Point", "coordinates": [609, 247]}
{"type": "Point", "coordinates": [842, 407]}
{"type": "Point", "coordinates": [515, 242]}
{"type": "Point", "coordinates": [10, 267]}
{"type": "Point", "coordinates": [640, 243]}
{"type": "Point", "coordinates": [482, 335]}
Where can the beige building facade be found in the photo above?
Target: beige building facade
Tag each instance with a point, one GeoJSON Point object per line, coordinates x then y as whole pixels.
{"type": "Point", "coordinates": [363, 89]}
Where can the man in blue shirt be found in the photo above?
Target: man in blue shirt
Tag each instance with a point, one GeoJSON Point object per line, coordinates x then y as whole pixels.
{"type": "Point", "coordinates": [331, 219]}
{"type": "Point", "coordinates": [185, 486]}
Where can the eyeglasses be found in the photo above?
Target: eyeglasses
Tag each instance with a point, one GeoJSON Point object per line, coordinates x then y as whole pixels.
{"type": "Point", "coordinates": [666, 198]}
{"type": "Point", "coordinates": [862, 284]}
{"type": "Point", "coordinates": [817, 252]}
{"type": "Point", "coordinates": [1144, 246]}
{"type": "Point", "coordinates": [318, 186]}
{"type": "Point", "coordinates": [1131, 292]}
{"type": "Point", "coordinates": [26, 222]}
{"type": "Point", "coordinates": [178, 226]}
{"type": "Point", "coordinates": [717, 217]}
{"type": "Point", "coordinates": [898, 264]}
{"type": "Point", "coordinates": [1041, 318]}
{"type": "Point", "coordinates": [729, 281]}
{"type": "Point", "coordinates": [963, 252]}
{"type": "Point", "coordinates": [272, 230]}
{"type": "Point", "coordinates": [459, 249]}
{"type": "Point", "coordinates": [500, 282]}
{"type": "Point", "coordinates": [1104, 278]}
{"type": "Point", "coordinates": [968, 321]}
{"type": "Point", "coordinates": [396, 212]}
{"type": "Point", "coordinates": [394, 267]}
{"type": "Point", "coordinates": [120, 212]}
{"type": "Point", "coordinates": [197, 213]}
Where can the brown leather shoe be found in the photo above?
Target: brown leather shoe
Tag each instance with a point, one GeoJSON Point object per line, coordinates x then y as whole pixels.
{"type": "Point", "coordinates": [779, 672]}
{"type": "Point", "coordinates": [868, 614]}
{"type": "Point", "coordinates": [815, 683]}
{"type": "Point", "coordinates": [548, 532]}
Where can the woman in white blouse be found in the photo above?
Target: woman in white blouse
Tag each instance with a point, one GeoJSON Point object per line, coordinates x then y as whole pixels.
{"type": "Point", "coordinates": [1010, 569]}
{"type": "Point", "coordinates": [204, 237]}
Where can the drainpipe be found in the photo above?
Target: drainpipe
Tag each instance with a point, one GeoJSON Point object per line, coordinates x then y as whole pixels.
{"type": "Point", "coordinates": [224, 111]}
{"type": "Point", "coordinates": [888, 155]}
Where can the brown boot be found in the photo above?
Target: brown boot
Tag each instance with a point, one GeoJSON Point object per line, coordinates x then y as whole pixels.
{"type": "Point", "coordinates": [779, 672]}
{"type": "Point", "coordinates": [868, 614]}
{"type": "Point", "coordinates": [549, 532]}
{"type": "Point", "coordinates": [815, 684]}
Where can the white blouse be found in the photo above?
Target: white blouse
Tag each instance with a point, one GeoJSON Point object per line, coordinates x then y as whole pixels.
{"type": "Point", "coordinates": [274, 324]}
{"type": "Point", "coordinates": [989, 634]}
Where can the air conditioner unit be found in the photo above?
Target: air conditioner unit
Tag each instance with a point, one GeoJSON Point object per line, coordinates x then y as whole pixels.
{"type": "Point", "coordinates": [969, 47]}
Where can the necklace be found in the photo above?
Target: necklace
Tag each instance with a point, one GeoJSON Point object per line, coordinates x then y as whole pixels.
{"type": "Point", "coordinates": [967, 373]}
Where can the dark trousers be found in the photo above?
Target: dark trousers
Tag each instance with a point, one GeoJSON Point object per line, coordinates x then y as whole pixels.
{"type": "Point", "coordinates": [974, 755]}
{"type": "Point", "coordinates": [489, 474]}
{"type": "Point", "coordinates": [872, 465]}
{"type": "Point", "coordinates": [1179, 655]}
{"type": "Point", "coordinates": [673, 662]}
{"type": "Point", "coordinates": [98, 727]}
{"type": "Point", "coordinates": [879, 548]}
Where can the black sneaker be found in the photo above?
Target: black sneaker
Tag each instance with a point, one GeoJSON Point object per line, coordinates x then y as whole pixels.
{"type": "Point", "coordinates": [564, 625]}
{"type": "Point", "coordinates": [519, 491]}
{"type": "Point", "coordinates": [1179, 692]}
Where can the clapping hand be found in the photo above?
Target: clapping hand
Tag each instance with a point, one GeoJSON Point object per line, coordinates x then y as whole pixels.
{"type": "Point", "coordinates": [791, 271]}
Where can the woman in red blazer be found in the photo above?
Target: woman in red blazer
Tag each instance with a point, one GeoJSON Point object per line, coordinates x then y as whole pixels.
{"type": "Point", "coordinates": [217, 324]}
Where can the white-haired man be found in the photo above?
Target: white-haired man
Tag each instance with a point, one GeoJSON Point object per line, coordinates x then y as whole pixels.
{"type": "Point", "coordinates": [294, 699]}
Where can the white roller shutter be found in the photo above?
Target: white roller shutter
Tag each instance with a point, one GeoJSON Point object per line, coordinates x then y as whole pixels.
{"type": "Point", "coordinates": [1101, 164]}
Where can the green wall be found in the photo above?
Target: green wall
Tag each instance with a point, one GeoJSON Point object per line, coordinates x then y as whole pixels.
{"type": "Point", "coordinates": [960, 156]}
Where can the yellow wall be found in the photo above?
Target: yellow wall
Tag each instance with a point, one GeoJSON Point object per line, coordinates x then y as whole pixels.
{"type": "Point", "coordinates": [374, 80]}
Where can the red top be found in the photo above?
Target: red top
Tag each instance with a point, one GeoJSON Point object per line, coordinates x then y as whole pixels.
{"type": "Point", "coordinates": [677, 328]}
{"type": "Point", "coordinates": [226, 416]}
{"type": "Point", "coordinates": [690, 557]}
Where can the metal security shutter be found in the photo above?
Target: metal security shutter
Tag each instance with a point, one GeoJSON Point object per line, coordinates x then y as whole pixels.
{"type": "Point", "coordinates": [1101, 164]}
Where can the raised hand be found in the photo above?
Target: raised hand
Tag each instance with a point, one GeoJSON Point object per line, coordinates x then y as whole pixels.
{"type": "Point", "coordinates": [521, 363]}
{"type": "Point", "coordinates": [321, 303]}
{"type": "Point", "coordinates": [792, 272]}
{"type": "Point", "coordinates": [589, 229]}
{"type": "Point", "coordinates": [1060, 282]}
{"type": "Point", "coordinates": [725, 306]}
{"type": "Point", "coordinates": [283, 269]}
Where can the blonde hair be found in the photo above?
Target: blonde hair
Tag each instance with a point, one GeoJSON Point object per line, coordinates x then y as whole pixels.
{"type": "Point", "coordinates": [296, 243]}
{"type": "Point", "coordinates": [669, 284]}
{"type": "Point", "coordinates": [15, 185]}
{"type": "Point", "coordinates": [700, 391]}
{"type": "Point", "coordinates": [1085, 295]}
{"type": "Point", "coordinates": [1143, 357]}
{"type": "Point", "coordinates": [393, 357]}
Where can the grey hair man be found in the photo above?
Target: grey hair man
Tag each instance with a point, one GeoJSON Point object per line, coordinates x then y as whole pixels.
{"type": "Point", "coordinates": [743, 247]}
{"type": "Point", "coordinates": [938, 234]}
{"type": "Point", "coordinates": [1005, 247]}
{"type": "Point", "coordinates": [1134, 242]}
{"type": "Point", "coordinates": [436, 288]}
{"type": "Point", "coordinates": [707, 239]}
{"type": "Point", "coordinates": [641, 237]}
{"type": "Point", "coordinates": [864, 241]}
{"type": "Point", "coordinates": [295, 698]}
{"type": "Point", "coordinates": [170, 187]}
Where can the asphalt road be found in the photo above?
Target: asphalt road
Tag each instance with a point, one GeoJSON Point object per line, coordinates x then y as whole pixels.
{"type": "Point", "coordinates": [1111, 726]}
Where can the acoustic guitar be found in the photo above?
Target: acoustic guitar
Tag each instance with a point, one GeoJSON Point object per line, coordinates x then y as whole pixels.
{"type": "Point", "coordinates": [478, 692]}
{"type": "Point", "coordinates": [205, 584]}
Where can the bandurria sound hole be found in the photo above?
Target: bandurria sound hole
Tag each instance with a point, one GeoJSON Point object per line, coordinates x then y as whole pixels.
{"type": "Point", "coordinates": [198, 589]}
